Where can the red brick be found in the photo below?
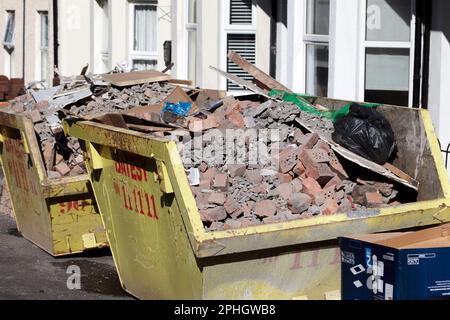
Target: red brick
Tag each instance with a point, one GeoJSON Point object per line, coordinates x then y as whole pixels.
{"type": "Point", "coordinates": [297, 185]}
{"type": "Point", "coordinates": [265, 208]}
{"type": "Point", "coordinates": [299, 202]}
{"type": "Point", "coordinates": [321, 173]}
{"type": "Point", "coordinates": [287, 159]}
{"type": "Point", "coordinates": [336, 182]}
{"type": "Point", "coordinates": [207, 177]}
{"type": "Point", "coordinates": [346, 205]}
{"type": "Point", "coordinates": [274, 219]}
{"type": "Point", "coordinates": [58, 158]}
{"type": "Point", "coordinates": [62, 168]}
{"type": "Point", "coordinates": [198, 125]}
{"type": "Point", "coordinates": [236, 119]}
{"type": "Point", "coordinates": [202, 200]}
{"type": "Point", "coordinates": [237, 170]}
{"type": "Point", "coordinates": [262, 188]}
{"type": "Point", "coordinates": [231, 205]}
{"type": "Point", "coordinates": [323, 146]}
{"type": "Point", "coordinates": [285, 190]}
{"type": "Point", "coordinates": [217, 198]}
{"type": "Point", "coordinates": [76, 171]}
{"type": "Point", "coordinates": [299, 169]}
{"type": "Point", "coordinates": [42, 105]}
{"type": "Point", "coordinates": [35, 116]}
{"type": "Point", "coordinates": [309, 140]}
{"type": "Point", "coordinates": [314, 156]}
{"type": "Point", "coordinates": [311, 187]}
{"type": "Point", "coordinates": [203, 167]}
{"type": "Point", "coordinates": [298, 136]}
{"type": "Point", "coordinates": [216, 226]}
{"type": "Point", "coordinates": [214, 214]}
{"type": "Point", "coordinates": [330, 207]}
{"type": "Point", "coordinates": [254, 176]}
{"type": "Point", "coordinates": [336, 166]}
{"type": "Point", "coordinates": [220, 182]}
{"type": "Point", "coordinates": [374, 199]}
{"type": "Point", "coordinates": [325, 195]}
{"type": "Point", "coordinates": [231, 224]}
{"type": "Point", "coordinates": [284, 178]}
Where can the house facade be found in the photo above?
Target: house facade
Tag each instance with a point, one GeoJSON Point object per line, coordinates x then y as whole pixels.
{"type": "Point", "coordinates": [388, 51]}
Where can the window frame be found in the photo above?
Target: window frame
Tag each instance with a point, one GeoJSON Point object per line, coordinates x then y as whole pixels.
{"type": "Point", "coordinates": [8, 15]}
{"type": "Point", "coordinates": [368, 44]}
{"type": "Point", "coordinates": [229, 28]}
{"type": "Point", "coordinates": [43, 50]}
{"type": "Point", "coordinates": [191, 27]}
{"type": "Point", "coordinates": [313, 39]}
{"type": "Point", "coordinates": [141, 55]}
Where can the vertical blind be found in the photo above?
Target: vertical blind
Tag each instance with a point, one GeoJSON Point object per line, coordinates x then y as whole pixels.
{"type": "Point", "coordinates": [245, 45]}
{"type": "Point", "coordinates": [241, 12]}
{"type": "Point", "coordinates": [145, 28]}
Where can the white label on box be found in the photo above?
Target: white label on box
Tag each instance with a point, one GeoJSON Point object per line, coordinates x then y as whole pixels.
{"type": "Point", "coordinates": [347, 257]}
{"type": "Point", "coordinates": [357, 269]}
{"type": "Point", "coordinates": [358, 284]}
{"type": "Point", "coordinates": [389, 292]}
{"type": "Point", "coordinates": [380, 285]}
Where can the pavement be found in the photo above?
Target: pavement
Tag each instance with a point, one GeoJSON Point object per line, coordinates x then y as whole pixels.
{"type": "Point", "coordinates": [27, 272]}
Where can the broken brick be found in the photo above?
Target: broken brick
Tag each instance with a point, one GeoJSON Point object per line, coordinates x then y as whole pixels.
{"type": "Point", "coordinates": [220, 182]}
{"type": "Point", "coordinates": [254, 176]}
{"type": "Point", "coordinates": [335, 182]}
{"type": "Point", "coordinates": [337, 167]}
{"type": "Point", "coordinates": [330, 207]}
{"type": "Point", "coordinates": [297, 185]}
{"type": "Point", "coordinates": [310, 186]}
{"type": "Point", "coordinates": [232, 224]}
{"type": "Point", "coordinates": [214, 214]}
{"type": "Point", "coordinates": [35, 116]}
{"type": "Point", "coordinates": [309, 140]}
{"type": "Point", "coordinates": [374, 199]}
{"type": "Point", "coordinates": [216, 226]}
{"type": "Point", "coordinates": [231, 205]}
{"type": "Point", "coordinates": [236, 118]}
{"type": "Point", "coordinates": [203, 167]}
{"type": "Point", "coordinates": [287, 159]}
{"type": "Point", "coordinates": [265, 208]}
{"type": "Point", "coordinates": [62, 168]}
{"type": "Point", "coordinates": [76, 170]}
{"type": "Point", "coordinates": [284, 178]}
{"type": "Point", "coordinates": [314, 156]}
{"type": "Point", "coordinates": [346, 205]}
{"type": "Point", "coordinates": [207, 177]}
{"type": "Point", "coordinates": [217, 198]}
{"type": "Point", "coordinates": [325, 195]}
{"type": "Point", "coordinates": [285, 190]}
{"type": "Point", "coordinates": [237, 170]}
{"type": "Point", "coordinates": [321, 173]}
{"type": "Point", "coordinates": [299, 169]}
{"type": "Point", "coordinates": [299, 202]}
{"type": "Point", "coordinates": [274, 219]}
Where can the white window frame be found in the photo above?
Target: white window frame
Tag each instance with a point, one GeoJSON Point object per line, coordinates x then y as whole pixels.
{"type": "Point", "coordinates": [229, 28]}
{"type": "Point", "coordinates": [191, 27]}
{"type": "Point", "coordinates": [42, 50]}
{"type": "Point", "coordinates": [9, 43]}
{"type": "Point", "coordinates": [105, 53]}
{"type": "Point", "coordinates": [140, 55]}
{"type": "Point", "coordinates": [364, 44]}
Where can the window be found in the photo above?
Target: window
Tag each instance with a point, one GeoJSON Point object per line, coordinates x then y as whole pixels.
{"type": "Point", "coordinates": [240, 33]}
{"type": "Point", "coordinates": [105, 28]}
{"type": "Point", "coordinates": [316, 41]}
{"type": "Point", "coordinates": [191, 28]}
{"type": "Point", "coordinates": [143, 52]}
{"type": "Point", "coordinates": [43, 45]}
{"type": "Point", "coordinates": [388, 51]}
{"type": "Point", "coordinates": [8, 39]}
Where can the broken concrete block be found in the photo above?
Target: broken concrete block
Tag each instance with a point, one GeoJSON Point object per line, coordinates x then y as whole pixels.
{"type": "Point", "coordinates": [266, 208]}
{"type": "Point", "coordinates": [299, 202]}
{"type": "Point", "coordinates": [62, 168]}
{"type": "Point", "coordinates": [214, 214]}
{"type": "Point", "coordinates": [217, 198]}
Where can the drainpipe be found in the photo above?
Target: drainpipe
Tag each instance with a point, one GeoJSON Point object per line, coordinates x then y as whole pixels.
{"type": "Point", "coordinates": [23, 41]}
{"type": "Point", "coordinates": [55, 37]}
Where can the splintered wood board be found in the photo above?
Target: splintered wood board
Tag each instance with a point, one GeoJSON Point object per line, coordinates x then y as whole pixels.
{"type": "Point", "coordinates": [135, 78]}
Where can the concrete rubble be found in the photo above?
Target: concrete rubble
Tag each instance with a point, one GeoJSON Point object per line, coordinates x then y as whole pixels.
{"type": "Point", "coordinates": [309, 180]}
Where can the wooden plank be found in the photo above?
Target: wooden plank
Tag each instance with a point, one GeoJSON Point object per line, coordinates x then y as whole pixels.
{"type": "Point", "coordinates": [262, 77]}
{"type": "Point", "coordinates": [243, 83]}
{"type": "Point", "coordinates": [135, 78]}
{"type": "Point", "coordinates": [179, 81]}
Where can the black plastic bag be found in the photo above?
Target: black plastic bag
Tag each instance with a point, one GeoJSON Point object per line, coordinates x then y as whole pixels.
{"type": "Point", "coordinates": [367, 133]}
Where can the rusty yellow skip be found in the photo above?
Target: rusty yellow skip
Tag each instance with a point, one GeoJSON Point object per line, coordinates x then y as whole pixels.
{"type": "Point", "coordinates": [162, 251]}
{"type": "Point", "coordinates": [58, 215]}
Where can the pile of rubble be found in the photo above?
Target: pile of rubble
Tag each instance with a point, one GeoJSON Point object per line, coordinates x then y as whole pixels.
{"type": "Point", "coordinates": [62, 155]}
{"type": "Point", "coordinates": [309, 180]}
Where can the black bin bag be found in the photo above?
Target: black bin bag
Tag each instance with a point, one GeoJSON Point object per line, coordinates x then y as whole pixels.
{"type": "Point", "coordinates": [365, 132]}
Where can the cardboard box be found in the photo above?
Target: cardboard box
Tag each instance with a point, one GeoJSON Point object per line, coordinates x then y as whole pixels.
{"type": "Point", "coordinates": [397, 266]}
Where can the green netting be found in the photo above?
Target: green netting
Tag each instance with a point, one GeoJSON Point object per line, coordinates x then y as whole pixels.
{"type": "Point", "coordinates": [299, 100]}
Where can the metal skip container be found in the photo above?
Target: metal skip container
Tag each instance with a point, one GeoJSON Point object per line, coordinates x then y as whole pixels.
{"type": "Point", "coordinates": [162, 250]}
{"type": "Point", "coordinates": [58, 215]}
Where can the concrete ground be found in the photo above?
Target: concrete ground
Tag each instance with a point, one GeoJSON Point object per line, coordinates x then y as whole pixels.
{"type": "Point", "coordinates": [28, 272]}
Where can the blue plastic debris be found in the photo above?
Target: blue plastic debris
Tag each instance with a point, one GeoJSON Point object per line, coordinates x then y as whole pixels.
{"type": "Point", "coordinates": [180, 109]}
